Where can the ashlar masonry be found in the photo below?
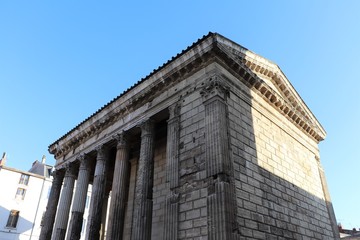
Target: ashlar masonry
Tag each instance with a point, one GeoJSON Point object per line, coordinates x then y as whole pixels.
{"type": "Point", "coordinates": [214, 144]}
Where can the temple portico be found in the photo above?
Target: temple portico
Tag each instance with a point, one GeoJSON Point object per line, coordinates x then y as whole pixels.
{"type": "Point", "coordinates": [214, 144]}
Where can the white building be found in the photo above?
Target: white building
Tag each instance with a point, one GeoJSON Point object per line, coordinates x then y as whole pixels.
{"type": "Point", "coordinates": [23, 200]}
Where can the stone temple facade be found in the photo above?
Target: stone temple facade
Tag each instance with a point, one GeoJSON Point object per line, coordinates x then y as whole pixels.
{"type": "Point", "coordinates": [214, 144]}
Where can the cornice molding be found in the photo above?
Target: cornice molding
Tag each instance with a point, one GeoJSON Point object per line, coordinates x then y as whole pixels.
{"type": "Point", "coordinates": [249, 66]}
{"type": "Point", "coordinates": [147, 95]}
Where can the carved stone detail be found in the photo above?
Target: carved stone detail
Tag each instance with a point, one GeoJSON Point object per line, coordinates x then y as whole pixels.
{"type": "Point", "coordinates": [171, 216]}
{"type": "Point", "coordinates": [215, 86]}
{"type": "Point", "coordinates": [172, 147]}
{"type": "Point", "coordinates": [121, 139]}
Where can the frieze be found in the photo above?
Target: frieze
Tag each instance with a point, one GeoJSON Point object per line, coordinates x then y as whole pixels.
{"type": "Point", "coordinates": [147, 95]}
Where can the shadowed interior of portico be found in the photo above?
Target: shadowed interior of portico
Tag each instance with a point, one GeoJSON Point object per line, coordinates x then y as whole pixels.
{"type": "Point", "coordinates": [134, 137]}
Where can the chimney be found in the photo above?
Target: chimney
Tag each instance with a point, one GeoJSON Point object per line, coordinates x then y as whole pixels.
{"type": "Point", "coordinates": [43, 160]}
{"type": "Point", "coordinates": [3, 159]}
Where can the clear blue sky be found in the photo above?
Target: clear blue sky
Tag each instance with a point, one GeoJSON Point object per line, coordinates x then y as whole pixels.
{"type": "Point", "coordinates": [61, 61]}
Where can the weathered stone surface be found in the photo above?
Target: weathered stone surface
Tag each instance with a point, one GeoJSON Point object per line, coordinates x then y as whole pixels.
{"type": "Point", "coordinates": [62, 215]}
{"type": "Point", "coordinates": [232, 153]}
{"type": "Point", "coordinates": [74, 232]}
{"type": "Point", "coordinates": [97, 195]}
{"type": "Point", "coordinates": [143, 192]}
{"type": "Point", "coordinates": [79, 201]}
{"type": "Point", "coordinates": [119, 189]}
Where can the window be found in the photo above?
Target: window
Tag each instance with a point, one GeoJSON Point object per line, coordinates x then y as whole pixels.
{"type": "Point", "coordinates": [24, 179]}
{"type": "Point", "coordinates": [20, 193]}
{"type": "Point", "coordinates": [13, 219]}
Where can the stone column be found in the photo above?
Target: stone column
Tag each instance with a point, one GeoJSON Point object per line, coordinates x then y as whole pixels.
{"type": "Point", "coordinates": [131, 197]}
{"type": "Point", "coordinates": [141, 229]}
{"type": "Point", "coordinates": [119, 190]}
{"type": "Point", "coordinates": [221, 194]}
{"type": "Point", "coordinates": [51, 207]}
{"type": "Point", "coordinates": [97, 195]}
{"type": "Point", "coordinates": [78, 206]}
{"type": "Point", "coordinates": [104, 216]}
{"type": "Point", "coordinates": [328, 202]}
{"type": "Point", "coordinates": [62, 216]}
{"type": "Point", "coordinates": [172, 174]}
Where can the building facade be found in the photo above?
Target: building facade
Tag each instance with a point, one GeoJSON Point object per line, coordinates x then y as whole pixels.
{"type": "Point", "coordinates": [23, 200]}
{"type": "Point", "coordinates": [214, 144]}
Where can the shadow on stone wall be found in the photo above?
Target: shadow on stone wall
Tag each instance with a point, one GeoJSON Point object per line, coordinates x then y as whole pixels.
{"type": "Point", "coordinates": [269, 206]}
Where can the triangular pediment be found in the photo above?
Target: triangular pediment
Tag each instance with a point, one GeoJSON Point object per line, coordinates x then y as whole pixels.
{"type": "Point", "coordinates": [267, 79]}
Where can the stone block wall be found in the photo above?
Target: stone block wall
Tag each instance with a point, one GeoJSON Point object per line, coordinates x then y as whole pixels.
{"type": "Point", "coordinates": [266, 184]}
{"type": "Point", "coordinates": [278, 187]}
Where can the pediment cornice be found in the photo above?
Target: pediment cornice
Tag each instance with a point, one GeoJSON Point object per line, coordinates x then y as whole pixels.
{"type": "Point", "coordinates": [253, 69]}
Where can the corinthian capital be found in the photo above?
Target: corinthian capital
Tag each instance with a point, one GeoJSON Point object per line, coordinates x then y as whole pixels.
{"type": "Point", "coordinates": [121, 139]}
{"type": "Point", "coordinates": [84, 161]}
{"type": "Point", "coordinates": [215, 86]}
{"type": "Point", "coordinates": [147, 127]}
{"type": "Point", "coordinates": [174, 111]}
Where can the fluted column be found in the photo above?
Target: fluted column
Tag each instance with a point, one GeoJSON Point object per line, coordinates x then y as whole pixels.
{"type": "Point", "coordinates": [142, 218]}
{"type": "Point", "coordinates": [62, 216]}
{"type": "Point", "coordinates": [221, 194]}
{"type": "Point", "coordinates": [131, 196]}
{"type": "Point", "coordinates": [172, 174]}
{"type": "Point", "coordinates": [119, 190]}
{"type": "Point", "coordinates": [78, 206]}
{"type": "Point", "coordinates": [49, 217]}
{"type": "Point", "coordinates": [97, 195]}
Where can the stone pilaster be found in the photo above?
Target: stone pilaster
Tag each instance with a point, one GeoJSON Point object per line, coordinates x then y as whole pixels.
{"type": "Point", "coordinates": [78, 206]}
{"type": "Point", "coordinates": [172, 173]}
{"type": "Point", "coordinates": [49, 217]}
{"type": "Point", "coordinates": [119, 190]}
{"type": "Point", "coordinates": [216, 130]}
{"type": "Point", "coordinates": [142, 217]}
{"type": "Point", "coordinates": [221, 210]}
{"type": "Point", "coordinates": [172, 147]}
{"type": "Point", "coordinates": [97, 195]}
{"type": "Point", "coordinates": [171, 216]}
{"type": "Point", "coordinates": [328, 202]}
{"type": "Point", "coordinates": [62, 215]}
{"type": "Point", "coordinates": [221, 195]}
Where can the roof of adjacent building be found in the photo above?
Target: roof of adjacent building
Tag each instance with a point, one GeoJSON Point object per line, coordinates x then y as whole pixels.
{"type": "Point", "coordinates": [41, 169]}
